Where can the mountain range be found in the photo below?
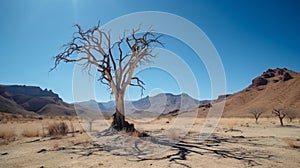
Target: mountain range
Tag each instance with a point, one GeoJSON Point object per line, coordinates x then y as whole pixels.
{"type": "Point", "coordinates": [23, 99]}
{"type": "Point", "coordinates": [160, 104]}
{"type": "Point", "coordinates": [274, 88]}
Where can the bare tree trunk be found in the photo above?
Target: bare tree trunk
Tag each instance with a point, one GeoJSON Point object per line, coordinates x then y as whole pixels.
{"type": "Point", "coordinates": [256, 120]}
{"type": "Point", "coordinates": [119, 120]}
{"type": "Point", "coordinates": [281, 122]}
{"type": "Point", "coordinates": [119, 123]}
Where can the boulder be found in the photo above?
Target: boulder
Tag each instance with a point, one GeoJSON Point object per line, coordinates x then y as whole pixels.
{"type": "Point", "coordinates": [259, 81]}
{"type": "Point", "coordinates": [286, 76]}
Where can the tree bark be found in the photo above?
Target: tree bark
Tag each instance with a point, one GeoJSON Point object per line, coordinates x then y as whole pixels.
{"type": "Point", "coordinates": [119, 123]}
{"type": "Point", "coordinates": [281, 122]}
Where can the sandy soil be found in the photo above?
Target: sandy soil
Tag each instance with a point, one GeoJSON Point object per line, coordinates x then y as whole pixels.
{"type": "Point", "coordinates": [235, 142]}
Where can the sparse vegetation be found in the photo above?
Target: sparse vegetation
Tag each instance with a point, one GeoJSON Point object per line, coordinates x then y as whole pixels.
{"type": "Point", "coordinates": [30, 133]}
{"type": "Point", "coordinates": [234, 138]}
{"type": "Point", "coordinates": [58, 129]}
{"type": "Point", "coordinates": [256, 113]}
{"type": "Point", "coordinates": [280, 113]}
{"type": "Point", "coordinates": [7, 134]}
{"type": "Point", "coordinates": [291, 115]}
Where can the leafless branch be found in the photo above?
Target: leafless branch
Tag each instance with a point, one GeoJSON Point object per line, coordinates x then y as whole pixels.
{"type": "Point", "coordinates": [96, 49]}
{"type": "Point", "coordinates": [256, 113]}
{"type": "Point", "coordinates": [138, 83]}
{"type": "Point", "coordinates": [280, 113]}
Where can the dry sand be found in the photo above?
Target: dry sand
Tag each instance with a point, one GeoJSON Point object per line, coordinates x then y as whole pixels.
{"type": "Point", "coordinates": [236, 142]}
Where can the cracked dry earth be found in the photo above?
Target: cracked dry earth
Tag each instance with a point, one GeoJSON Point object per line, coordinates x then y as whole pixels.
{"type": "Point", "coordinates": [231, 145]}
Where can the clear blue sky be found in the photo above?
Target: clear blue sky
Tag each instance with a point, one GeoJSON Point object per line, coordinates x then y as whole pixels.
{"type": "Point", "coordinates": [250, 36]}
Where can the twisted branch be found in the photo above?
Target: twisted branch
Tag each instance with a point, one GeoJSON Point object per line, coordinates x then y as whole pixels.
{"type": "Point", "coordinates": [94, 47]}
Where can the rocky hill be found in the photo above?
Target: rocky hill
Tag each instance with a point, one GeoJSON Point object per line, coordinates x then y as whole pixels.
{"type": "Point", "coordinates": [32, 100]}
{"type": "Point", "coordinates": [274, 88]}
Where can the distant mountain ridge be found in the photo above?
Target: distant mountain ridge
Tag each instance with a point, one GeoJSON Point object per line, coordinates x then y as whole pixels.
{"type": "Point", "coordinates": [23, 99]}
{"type": "Point", "coordinates": [274, 88]}
{"type": "Point", "coordinates": [33, 91]}
{"type": "Point", "coordinates": [162, 103]}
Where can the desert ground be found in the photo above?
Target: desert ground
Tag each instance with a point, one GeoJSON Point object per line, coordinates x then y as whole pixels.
{"type": "Point", "coordinates": [235, 142]}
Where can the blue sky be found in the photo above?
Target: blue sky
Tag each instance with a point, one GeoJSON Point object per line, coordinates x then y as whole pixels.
{"type": "Point", "coordinates": [250, 36]}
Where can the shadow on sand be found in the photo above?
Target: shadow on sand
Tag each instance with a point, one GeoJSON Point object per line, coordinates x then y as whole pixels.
{"type": "Point", "coordinates": [159, 147]}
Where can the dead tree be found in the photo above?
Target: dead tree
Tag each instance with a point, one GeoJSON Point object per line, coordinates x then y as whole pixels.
{"type": "Point", "coordinates": [280, 113]}
{"type": "Point", "coordinates": [256, 113]}
{"type": "Point", "coordinates": [291, 115]}
{"type": "Point", "coordinates": [115, 61]}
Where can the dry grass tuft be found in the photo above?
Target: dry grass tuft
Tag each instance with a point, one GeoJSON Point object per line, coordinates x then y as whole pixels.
{"type": "Point", "coordinates": [58, 129]}
{"type": "Point", "coordinates": [31, 133]}
{"type": "Point", "coordinates": [7, 133]}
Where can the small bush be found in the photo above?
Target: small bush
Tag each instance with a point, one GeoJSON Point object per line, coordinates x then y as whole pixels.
{"type": "Point", "coordinates": [58, 129]}
{"type": "Point", "coordinates": [30, 133]}
{"type": "Point", "coordinates": [7, 134]}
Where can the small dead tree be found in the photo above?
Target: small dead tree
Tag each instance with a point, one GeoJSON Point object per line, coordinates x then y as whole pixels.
{"type": "Point", "coordinates": [291, 115]}
{"type": "Point", "coordinates": [280, 113]}
{"type": "Point", "coordinates": [115, 61]}
{"type": "Point", "coordinates": [256, 113]}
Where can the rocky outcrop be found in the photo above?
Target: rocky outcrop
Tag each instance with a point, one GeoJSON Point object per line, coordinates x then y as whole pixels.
{"type": "Point", "coordinates": [273, 88]}
{"type": "Point", "coordinates": [23, 99]}
{"type": "Point", "coordinates": [259, 81]}
{"type": "Point", "coordinates": [206, 105]}
{"type": "Point", "coordinates": [272, 75]}
{"type": "Point", "coordinates": [286, 76]}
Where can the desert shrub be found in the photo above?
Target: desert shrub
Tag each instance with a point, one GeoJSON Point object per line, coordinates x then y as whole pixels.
{"type": "Point", "coordinates": [30, 133]}
{"type": "Point", "coordinates": [58, 129]}
{"type": "Point", "coordinates": [7, 134]}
